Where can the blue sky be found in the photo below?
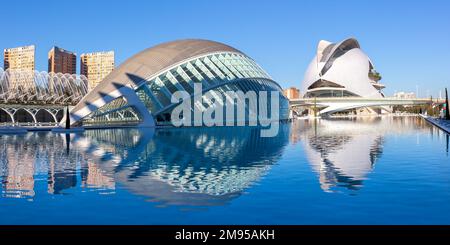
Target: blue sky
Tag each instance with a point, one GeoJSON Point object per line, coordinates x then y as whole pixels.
{"type": "Point", "coordinates": [408, 41]}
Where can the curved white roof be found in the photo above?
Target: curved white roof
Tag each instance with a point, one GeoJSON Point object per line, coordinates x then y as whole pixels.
{"type": "Point", "coordinates": [344, 64]}
{"type": "Point", "coordinates": [151, 61]}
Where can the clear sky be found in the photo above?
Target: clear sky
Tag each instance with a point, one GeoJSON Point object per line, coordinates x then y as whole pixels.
{"type": "Point", "coordinates": [408, 41]}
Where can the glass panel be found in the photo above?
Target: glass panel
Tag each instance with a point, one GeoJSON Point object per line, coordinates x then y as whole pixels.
{"type": "Point", "coordinates": [125, 116]}
{"type": "Point", "coordinates": [195, 75]}
{"type": "Point", "coordinates": [203, 72]}
{"type": "Point", "coordinates": [228, 61]}
{"type": "Point", "coordinates": [147, 98]}
{"type": "Point", "coordinates": [228, 73]}
{"type": "Point", "coordinates": [179, 78]}
{"type": "Point", "coordinates": [168, 84]}
{"type": "Point", "coordinates": [157, 87]}
{"type": "Point", "coordinates": [213, 69]}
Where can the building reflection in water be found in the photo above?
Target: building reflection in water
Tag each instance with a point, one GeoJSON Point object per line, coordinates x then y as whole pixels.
{"type": "Point", "coordinates": [17, 170]}
{"type": "Point", "coordinates": [25, 159]}
{"type": "Point", "coordinates": [344, 151]}
{"type": "Point", "coordinates": [193, 166]}
{"type": "Point", "coordinates": [189, 167]}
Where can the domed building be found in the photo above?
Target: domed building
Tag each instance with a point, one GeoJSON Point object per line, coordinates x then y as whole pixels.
{"type": "Point", "coordinates": [341, 70]}
{"type": "Point", "coordinates": [139, 91]}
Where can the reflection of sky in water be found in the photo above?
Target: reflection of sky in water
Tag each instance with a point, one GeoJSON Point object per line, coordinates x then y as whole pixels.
{"type": "Point", "coordinates": [229, 174]}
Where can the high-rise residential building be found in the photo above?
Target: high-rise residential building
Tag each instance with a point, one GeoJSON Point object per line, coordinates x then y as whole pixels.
{"type": "Point", "coordinates": [62, 61]}
{"type": "Point", "coordinates": [20, 58]}
{"type": "Point", "coordinates": [96, 66]}
{"type": "Point", "coordinates": [20, 62]}
{"type": "Point", "coordinates": [292, 93]}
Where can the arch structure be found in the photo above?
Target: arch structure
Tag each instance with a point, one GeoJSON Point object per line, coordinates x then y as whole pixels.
{"type": "Point", "coordinates": [139, 91]}
{"type": "Point", "coordinates": [33, 87]}
{"type": "Point", "coordinates": [30, 115]}
{"type": "Point", "coordinates": [341, 70]}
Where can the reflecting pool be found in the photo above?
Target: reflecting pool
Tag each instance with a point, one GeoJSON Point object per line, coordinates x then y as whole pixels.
{"type": "Point", "coordinates": [373, 170]}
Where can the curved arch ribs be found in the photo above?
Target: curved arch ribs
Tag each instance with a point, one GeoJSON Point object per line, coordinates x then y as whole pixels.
{"type": "Point", "coordinates": [12, 111]}
{"type": "Point", "coordinates": [34, 87]}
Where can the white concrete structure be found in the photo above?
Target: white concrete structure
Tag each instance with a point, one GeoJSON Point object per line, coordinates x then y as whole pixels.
{"type": "Point", "coordinates": [337, 104]}
{"type": "Point", "coordinates": [341, 69]}
{"type": "Point", "coordinates": [139, 91]}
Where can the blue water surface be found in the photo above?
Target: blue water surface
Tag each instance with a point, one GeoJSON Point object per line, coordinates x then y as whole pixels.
{"type": "Point", "coordinates": [373, 170]}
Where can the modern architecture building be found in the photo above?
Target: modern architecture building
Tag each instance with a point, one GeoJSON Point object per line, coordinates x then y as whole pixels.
{"type": "Point", "coordinates": [33, 97]}
{"type": "Point", "coordinates": [96, 66]}
{"type": "Point", "coordinates": [139, 91]}
{"type": "Point", "coordinates": [43, 88]}
{"type": "Point", "coordinates": [62, 61]}
{"type": "Point", "coordinates": [341, 70]}
{"type": "Point", "coordinates": [292, 93]}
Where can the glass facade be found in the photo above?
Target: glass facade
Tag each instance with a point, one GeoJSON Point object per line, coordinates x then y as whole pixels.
{"type": "Point", "coordinates": [117, 112]}
{"type": "Point", "coordinates": [216, 72]}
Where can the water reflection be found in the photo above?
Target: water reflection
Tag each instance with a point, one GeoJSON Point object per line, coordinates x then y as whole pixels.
{"type": "Point", "coordinates": [344, 151]}
{"type": "Point", "coordinates": [195, 167]}
{"type": "Point", "coordinates": [27, 159]}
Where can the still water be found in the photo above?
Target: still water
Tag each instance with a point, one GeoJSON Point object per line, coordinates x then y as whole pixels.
{"type": "Point", "coordinates": [391, 170]}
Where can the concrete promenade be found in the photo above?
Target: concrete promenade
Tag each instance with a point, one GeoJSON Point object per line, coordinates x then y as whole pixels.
{"type": "Point", "coordinates": [440, 123]}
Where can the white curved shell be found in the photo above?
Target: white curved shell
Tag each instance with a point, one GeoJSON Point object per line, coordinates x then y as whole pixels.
{"type": "Point", "coordinates": [147, 81]}
{"type": "Point", "coordinates": [344, 64]}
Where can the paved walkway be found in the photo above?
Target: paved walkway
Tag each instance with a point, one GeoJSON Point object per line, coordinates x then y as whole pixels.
{"type": "Point", "coordinates": [440, 123]}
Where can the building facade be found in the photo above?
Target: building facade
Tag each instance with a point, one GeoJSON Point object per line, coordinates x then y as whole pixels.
{"type": "Point", "coordinates": [37, 98]}
{"type": "Point", "coordinates": [62, 61]}
{"type": "Point", "coordinates": [405, 95]}
{"type": "Point", "coordinates": [139, 91]}
{"type": "Point", "coordinates": [20, 61]}
{"type": "Point", "coordinates": [341, 70]}
{"type": "Point", "coordinates": [96, 66]}
{"type": "Point", "coordinates": [20, 58]}
{"type": "Point", "coordinates": [292, 93]}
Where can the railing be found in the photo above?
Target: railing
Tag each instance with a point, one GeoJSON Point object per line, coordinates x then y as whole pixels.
{"type": "Point", "coordinates": [340, 99]}
{"type": "Point", "coordinates": [28, 124]}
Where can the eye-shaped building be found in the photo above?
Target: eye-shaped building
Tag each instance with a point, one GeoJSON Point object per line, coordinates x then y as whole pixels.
{"type": "Point", "coordinates": [139, 91]}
